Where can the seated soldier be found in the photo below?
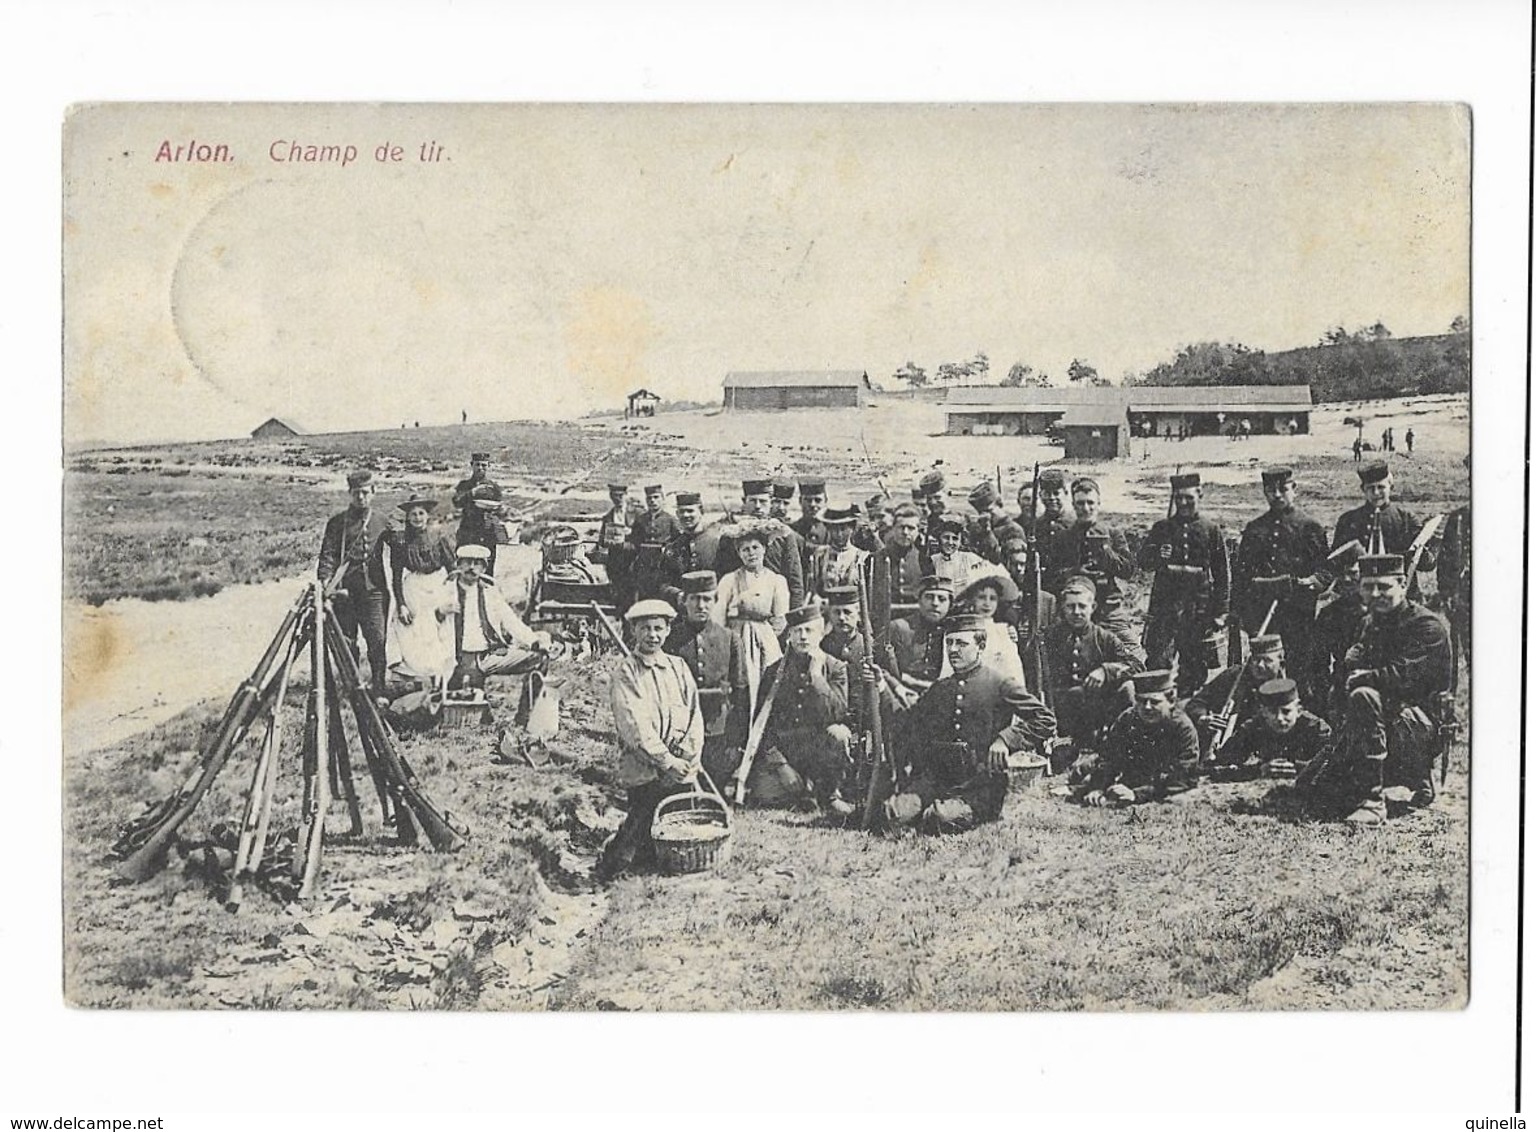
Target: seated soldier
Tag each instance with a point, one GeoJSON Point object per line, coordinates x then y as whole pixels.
{"type": "Point", "coordinates": [912, 648]}
{"type": "Point", "coordinates": [713, 654]}
{"type": "Point", "coordinates": [566, 562]}
{"type": "Point", "coordinates": [1149, 753]}
{"type": "Point", "coordinates": [952, 749]}
{"type": "Point", "coordinates": [1089, 669]}
{"type": "Point", "coordinates": [988, 596]}
{"type": "Point", "coordinates": [1239, 683]}
{"type": "Point", "coordinates": [660, 730]}
{"type": "Point", "coordinates": [1282, 738]}
{"type": "Point", "coordinates": [807, 727]}
{"type": "Point", "coordinates": [1398, 676]}
{"type": "Point", "coordinates": [489, 637]}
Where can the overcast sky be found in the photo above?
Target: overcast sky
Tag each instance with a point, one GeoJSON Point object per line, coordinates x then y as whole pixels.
{"type": "Point", "coordinates": [562, 256]}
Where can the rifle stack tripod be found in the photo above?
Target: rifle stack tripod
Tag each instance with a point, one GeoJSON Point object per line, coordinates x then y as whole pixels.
{"type": "Point", "coordinates": [325, 758]}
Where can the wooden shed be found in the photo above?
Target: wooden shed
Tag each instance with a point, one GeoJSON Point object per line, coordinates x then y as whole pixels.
{"type": "Point", "coordinates": [1096, 432]}
{"type": "Point", "coordinates": [274, 428]}
{"type": "Point", "coordinates": [641, 403]}
{"type": "Point", "coordinates": [771, 390]}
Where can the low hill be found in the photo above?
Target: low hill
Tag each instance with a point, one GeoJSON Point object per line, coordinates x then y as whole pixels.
{"type": "Point", "coordinates": [1349, 370]}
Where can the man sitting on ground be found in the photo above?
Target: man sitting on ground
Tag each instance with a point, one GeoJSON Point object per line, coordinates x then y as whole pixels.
{"type": "Point", "coordinates": [489, 637]}
{"type": "Point", "coordinates": [1089, 668]}
{"type": "Point", "coordinates": [1149, 753]}
{"type": "Point", "coordinates": [1279, 741]}
{"type": "Point", "coordinates": [1239, 682]}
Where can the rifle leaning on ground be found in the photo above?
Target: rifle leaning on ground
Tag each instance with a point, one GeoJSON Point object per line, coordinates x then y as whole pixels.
{"type": "Point", "coordinates": [1039, 661]}
{"type": "Point", "coordinates": [1228, 709]}
{"type": "Point", "coordinates": [881, 774]}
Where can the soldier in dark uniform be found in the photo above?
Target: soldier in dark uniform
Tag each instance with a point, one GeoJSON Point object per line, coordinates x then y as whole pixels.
{"type": "Point", "coordinates": [809, 526]}
{"type": "Point", "coordinates": [613, 544]}
{"type": "Point", "coordinates": [1031, 613]}
{"type": "Point", "coordinates": [1190, 588]}
{"type": "Point", "coordinates": [879, 517]}
{"type": "Point", "coordinates": [1095, 549]}
{"type": "Point", "coordinates": [904, 558]}
{"type": "Point", "coordinates": [1150, 751]}
{"type": "Point", "coordinates": [930, 490]}
{"type": "Point", "coordinates": [1043, 526]}
{"type": "Point", "coordinates": [912, 647]}
{"type": "Point", "coordinates": [952, 750]}
{"type": "Point", "coordinates": [1338, 627]}
{"type": "Point", "coordinates": [781, 555]}
{"type": "Point", "coordinates": [1278, 565]}
{"type": "Point", "coordinates": [1282, 739]}
{"type": "Point", "coordinates": [351, 554]}
{"type": "Point", "coordinates": [1453, 575]}
{"type": "Point", "coordinates": [1397, 676]}
{"type": "Point", "coordinates": [692, 548]}
{"type": "Point", "coordinates": [478, 500]}
{"type": "Point", "coordinates": [808, 726]}
{"type": "Point", "coordinates": [652, 529]}
{"type": "Point", "coordinates": [1089, 669]}
{"type": "Point", "coordinates": [1398, 526]}
{"type": "Point", "coordinates": [782, 492]}
{"type": "Point", "coordinates": [843, 638]}
{"type": "Point", "coordinates": [993, 527]}
{"type": "Point", "coordinates": [1207, 708]}
{"type": "Point", "coordinates": [713, 654]}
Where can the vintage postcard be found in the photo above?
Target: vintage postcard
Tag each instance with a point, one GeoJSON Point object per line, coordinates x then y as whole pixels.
{"type": "Point", "coordinates": [728, 557]}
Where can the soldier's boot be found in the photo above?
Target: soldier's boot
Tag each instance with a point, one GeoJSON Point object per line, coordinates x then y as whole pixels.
{"type": "Point", "coordinates": [1372, 809]}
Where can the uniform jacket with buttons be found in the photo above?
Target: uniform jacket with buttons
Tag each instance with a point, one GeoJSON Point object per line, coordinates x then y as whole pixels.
{"type": "Point", "coordinates": [976, 708]}
{"type": "Point", "coordinates": [1071, 655]}
{"type": "Point", "coordinates": [355, 541]}
{"type": "Point", "coordinates": [1196, 543]}
{"type": "Point", "coordinates": [653, 529]}
{"type": "Point", "coordinates": [1254, 740]}
{"type": "Point", "coordinates": [812, 694]}
{"type": "Point", "coordinates": [1337, 628]}
{"type": "Point", "coordinates": [906, 572]}
{"type": "Point", "coordinates": [1406, 655]}
{"type": "Point", "coordinates": [911, 646]}
{"type": "Point", "coordinates": [713, 654]}
{"type": "Point", "coordinates": [1109, 563]}
{"type": "Point", "coordinates": [1152, 759]}
{"type": "Point", "coordinates": [1278, 545]}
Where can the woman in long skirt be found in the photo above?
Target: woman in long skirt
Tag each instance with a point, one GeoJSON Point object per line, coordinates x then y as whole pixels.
{"type": "Point", "coordinates": [752, 603]}
{"type": "Point", "coordinates": [420, 557]}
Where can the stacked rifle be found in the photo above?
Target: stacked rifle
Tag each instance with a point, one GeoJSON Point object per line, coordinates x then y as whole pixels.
{"type": "Point", "coordinates": [325, 760]}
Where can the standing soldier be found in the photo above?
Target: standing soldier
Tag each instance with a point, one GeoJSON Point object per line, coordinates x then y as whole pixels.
{"type": "Point", "coordinates": [808, 726]}
{"type": "Point", "coordinates": [713, 655]}
{"type": "Point", "coordinates": [351, 556]}
{"type": "Point", "coordinates": [478, 500]}
{"type": "Point", "coordinates": [661, 734]}
{"type": "Point", "coordinates": [1190, 586]}
{"type": "Point", "coordinates": [912, 648]}
{"type": "Point", "coordinates": [1089, 669]}
{"type": "Point", "coordinates": [837, 562]}
{"type": "Point", "coordinates": [1149, 753]}
{"type": "Point", "coordinates": [652, 529]}
{"type": "Point", "coordinates": [781, 555]}
{"type": "Point", "coordinates": [1092, 548]}
{"type": "Point", "coordinates": [613, 543]}
{"type": "Point", "coordinates": [691, 548]}
{"type": "Point", "coordinates": [809, 526]}
{"type": "Point", "coordinates": [993, 528]}
{"type": "Point", "coordinates": [1278, 565]}
{"type": "Point", "coordinates": [1397, 526]}
{"type": "Point", "coordinates": [1398, 676]}
{"type": "Point", "coordinates": [930, 490]}
{"type": "Point", "coordinates": [904, 558]}
{"type": "Point", "coordinates": [1208, 708]}
{"type": "Point", "coordinates": [782, 491]}
{"type": "Point", "coordinates": [1338, 627]}
{"type": "Point", "coordinates": [955, 741]}
{"type": "Point", "coordinates": [1282, 739]}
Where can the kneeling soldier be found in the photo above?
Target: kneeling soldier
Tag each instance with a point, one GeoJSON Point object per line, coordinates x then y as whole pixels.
{"type": "Point", "coordinates": [1089, 668]}
{"type": "Point", "coordinates": [1279, 741]}
{"type": "Point", "coordinates": [1149, 753]}
{"type": "Point", "coordinates": [1397, 680]}
{"type": "Point", "coordinates": [955, 741]}
{"type": "Point", "coordinates": [661, 734]}
{"type": "Point", "coordinates": [1207, 709]}
{"type": "Point", "coordinates": [808, 726]}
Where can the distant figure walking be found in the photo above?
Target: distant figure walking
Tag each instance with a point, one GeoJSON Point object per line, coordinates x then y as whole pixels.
{"type": "Point", "coordinates": [1408, 440]}
{"type": "Point", "coordinates": [1359, 447]}
{"type": "Point", "coordinates": [463, 416]}
{"type": "Point", "coordinates": [1245, 429]}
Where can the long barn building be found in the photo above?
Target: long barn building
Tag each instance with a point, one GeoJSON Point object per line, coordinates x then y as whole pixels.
{"type": "Point", "coordinates": [772, 390]}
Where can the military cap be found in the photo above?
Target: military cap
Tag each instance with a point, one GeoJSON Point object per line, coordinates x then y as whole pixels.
{"type": "Point", "coordinates": [813, 485]}
{"type": "Point", "coordinates": [1380, 565]}
{"type": "Point", "coordinates": [756, 487]}
{"type": "Point", "coordinates": [359, 479]}
{"type": "Point", "coordinates": [1150, 683]}
{"type": "Point", "coordinates": [949, 521]}
{"type": "Point", "coordinates": [1374, 472]}
{"type": "Point", "coordinates": [1277, 477]}
{"type": "Point", "coordinates": [932, 483]}
{"type": "Point", "coordinates": [419, 501]}
{"type": "Point", "coordinates": [1080, 584]}
{"type": "Point", "coordinates": [650, 607]}
{"type": "Point", "coordinates": [1053, 477]}
{"type": "Point", "coordinates": [840, 516]}
{"type": "Point", "coordinates": [1002, 583]}
{"type": "Point", "coordinates": [1266, 644]}
{"type": "Point", "coordinates": [653, 489]}
{"type": "Point", "coordinates": [842, 595]}
{"type": "Point", "coordinates": [802, 616]}
{"type": "Point", "coordinates": [934, 582]}
{"type": "Point", "coordinates": [474, 552]}
{"type": "Point", "coordinates": [966, 623]}
{"type": "Point", "coordinates": [1278, 692]}
{"type": "Point", "coordinates": [1183, 480]}
{"type": "Point", "coordinates": [620, 488]}
{"type": "Point", "coordinates": [874, 503]}
{"type": "Point", "coordinates": [688, 499]}
{"type": "Point", "coordinates": [699, 582]}
{"type": "Point", "coordinates": [479, 457]}
{"type": "Point", "coordinates": [564, 535]}
{"type": "Point", "coordinates": [983, 495]}
{"type": "Point", "coordinates": [1085, 483]}
{"type": "Point", "coordinates": [783, 488]}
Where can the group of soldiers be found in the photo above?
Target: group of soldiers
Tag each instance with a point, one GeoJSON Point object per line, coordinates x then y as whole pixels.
{"type": "Point", "coordinates": [993, 634]}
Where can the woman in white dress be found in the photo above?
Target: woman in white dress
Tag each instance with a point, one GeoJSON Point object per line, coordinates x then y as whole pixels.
{"type": "Point", "coordinates": [986, 595]}
{"type": "Point", "coordinates": [959, 567]}
{"type": "Point", "coordinates": [752, 603]}
{"type": "Point", "coordinates": [420, 557]}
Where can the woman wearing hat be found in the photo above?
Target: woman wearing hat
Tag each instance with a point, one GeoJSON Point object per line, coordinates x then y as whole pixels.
{"type": "Point", "coordinates": [420, 557]}
{"type": "Point", "coordinates": [753, 602]}
{"type": "Point", "coordinates": [985, 597]}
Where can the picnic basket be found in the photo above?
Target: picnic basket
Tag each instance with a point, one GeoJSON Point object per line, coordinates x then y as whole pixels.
{"type": "Point", "coordinates": [692, 831]}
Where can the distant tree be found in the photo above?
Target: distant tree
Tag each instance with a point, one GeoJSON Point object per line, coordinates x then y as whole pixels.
{"type": "Point", "coordinates": [1375, 333]}
{"type": "Point", "coordinates": [950, 372]}
{"type": "Point", "coordinates": [1335, 336]}
{"type": "Point", "coordinates": [979, 367]}
{"type": "Point", "coordinates": [1460, 325]}
{"type": "Point", "coordinates": [1080, 371]}
{"type": "Point", "coordinates": [1018, 374]}
{"type": "Point", "coordinates": [912, 373]}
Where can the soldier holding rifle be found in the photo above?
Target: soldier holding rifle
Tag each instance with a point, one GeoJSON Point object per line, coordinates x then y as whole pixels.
{"type": "Point", "coordinates": [1189, 588]}
{"type": "Point", "coordinates": [1095, 549]}
{"type": "Point", "coordinates": [1280, 740]}
{"type": "Point", "coordinates": [1380, 525]}
{"type": "Point", "coordinates": [1231, 698]}
{"type": "Point", "coordinates": [351, 558]}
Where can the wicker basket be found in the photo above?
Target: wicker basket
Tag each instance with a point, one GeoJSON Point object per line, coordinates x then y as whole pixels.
{"type": "Point", "coordinates": [461, 714]}
{"type": "Point", "coordinates": [692, 832]}
{"type": "Point", "coordinates": [1026, 771]}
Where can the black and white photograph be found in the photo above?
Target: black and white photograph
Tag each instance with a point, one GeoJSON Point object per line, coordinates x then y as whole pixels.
{"type": "Point", "coordinates": [912, 558]}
